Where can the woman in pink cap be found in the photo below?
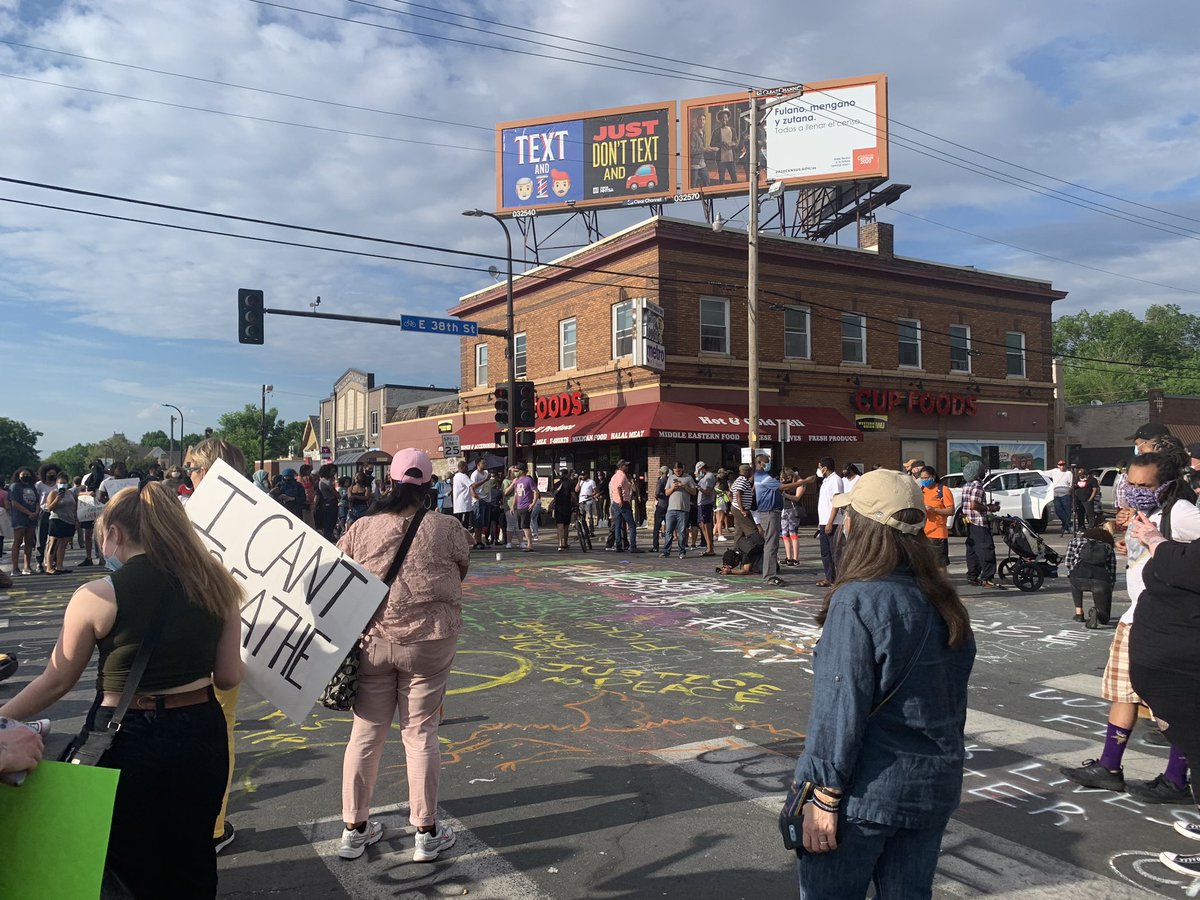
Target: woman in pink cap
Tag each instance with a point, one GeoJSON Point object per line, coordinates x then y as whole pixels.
{"type": "Point", "coordinates": [407, 651]}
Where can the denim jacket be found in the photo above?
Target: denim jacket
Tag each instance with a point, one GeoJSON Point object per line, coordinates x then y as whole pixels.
{"type": "Point", "coordinates": [904, 766]}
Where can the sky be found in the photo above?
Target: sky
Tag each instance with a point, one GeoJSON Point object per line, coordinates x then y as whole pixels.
{"type": "Point", "coordinates": [388, 132]}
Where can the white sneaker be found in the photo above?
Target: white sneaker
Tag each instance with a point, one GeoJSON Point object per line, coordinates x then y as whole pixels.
{"type": "Point", "coordinates": [430, 844]}
{"type": "Point", "coordinates": [355, 843]}
{"type": "Point", "coordinates": [721, 539]}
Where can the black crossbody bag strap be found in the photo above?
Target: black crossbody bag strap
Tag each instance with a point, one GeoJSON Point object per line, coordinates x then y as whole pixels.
{"type": "Point", "coordinates": [912, 663]}
{"type": "Point", "coordinates": [140, 661]}
{"type": "Point", "coordinates": [409, 534]}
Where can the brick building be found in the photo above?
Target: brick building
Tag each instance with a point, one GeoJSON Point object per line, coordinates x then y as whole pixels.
{"type": "Point", "coordinates": [638, 347]}
{"type": "Point", "coordinates": [1102, 434]}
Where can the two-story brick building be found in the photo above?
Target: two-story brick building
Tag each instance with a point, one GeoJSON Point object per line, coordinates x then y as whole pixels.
{"type": "Point", "coordinates": [638, 347]}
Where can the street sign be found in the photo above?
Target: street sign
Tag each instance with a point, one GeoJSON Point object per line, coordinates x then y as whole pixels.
{"type": "Point", "coordinates": [439, 326]}
{"type": "Point", "coordinates": [451, 445]}
{"type": "Point", "coordinates": [785, 431]}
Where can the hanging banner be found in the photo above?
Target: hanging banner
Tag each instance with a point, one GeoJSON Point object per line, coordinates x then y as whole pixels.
{"type": "Point", "coordinates": [305, 602]}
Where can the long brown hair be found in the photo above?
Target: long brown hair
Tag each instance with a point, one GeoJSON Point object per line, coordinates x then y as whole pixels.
{"type": "Point", "coordinates": [873, 550]}
{"type": "Point", "coordinates": [153, 518]}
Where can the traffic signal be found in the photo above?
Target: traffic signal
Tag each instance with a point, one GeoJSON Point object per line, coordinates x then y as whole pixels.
{"type": "Point", "coordinates": [526, 438]}
{"type": "Point", "coordinates": [503, 404]}
{"type": "Point", "coordinates": [250, 316]}
{"type": "Point", "coordinates": [526, 403]}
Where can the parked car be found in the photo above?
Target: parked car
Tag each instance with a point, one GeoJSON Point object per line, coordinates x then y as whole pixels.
{"type": "Point", "coordinates": [1107, 476]}
{"type": "Point", "coordinates": [645, 177]}
{"type": "Point", "coordinates": [1020, 492]}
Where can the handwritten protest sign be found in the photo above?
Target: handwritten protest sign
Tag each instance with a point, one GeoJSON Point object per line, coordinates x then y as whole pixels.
{"type": "Point", "coordinates": [113, 486]}
{"type": "Point", "coordinates": [305, 601]}
{"type": "Point", "coordinates": [88, 509]}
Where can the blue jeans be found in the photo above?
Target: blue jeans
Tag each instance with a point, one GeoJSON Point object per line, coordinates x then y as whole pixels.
{"type": "Point", "coordinates": [1062, 509]}
{"type": "Point", "coordinates": [900, 862]}
{"type": "Point", "coordinates": [677, 520]}
{"type": "Point", "coordinates": [625, 526]}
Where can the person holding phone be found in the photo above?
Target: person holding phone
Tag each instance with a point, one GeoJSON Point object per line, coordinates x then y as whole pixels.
{"type": "Point", "coordinates": [62, 507]}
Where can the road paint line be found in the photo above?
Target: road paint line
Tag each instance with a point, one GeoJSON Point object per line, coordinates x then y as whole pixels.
{"type": "Point", "coordinates": [1084, 685]}
{"type": "Point", "coordinates": [387, 869]}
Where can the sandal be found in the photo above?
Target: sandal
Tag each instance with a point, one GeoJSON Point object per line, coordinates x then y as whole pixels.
{"type": "Point", "coordinates": [824, 583]}
{"type": "Point", "coordinates": [776, 580]}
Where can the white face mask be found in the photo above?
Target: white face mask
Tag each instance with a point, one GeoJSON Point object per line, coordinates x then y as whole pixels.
{"type": "Point", "coordinates": [820, 472]}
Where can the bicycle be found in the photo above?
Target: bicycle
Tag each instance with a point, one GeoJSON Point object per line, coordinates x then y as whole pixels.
{"type": "Point", "coordinates": [582, 534]}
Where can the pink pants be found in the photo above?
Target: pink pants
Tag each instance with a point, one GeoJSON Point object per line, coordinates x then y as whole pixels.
{"type": "Point", "coordinates": [412, 677]}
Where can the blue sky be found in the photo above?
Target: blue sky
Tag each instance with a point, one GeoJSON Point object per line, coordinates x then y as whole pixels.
{"type": "Point", "coordinates": [107, 320]}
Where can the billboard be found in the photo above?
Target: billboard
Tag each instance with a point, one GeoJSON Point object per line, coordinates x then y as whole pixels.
{"type": "Point", "coordinates": [611, 157]}
{"type": "Point", "coordinates": [829, 131]}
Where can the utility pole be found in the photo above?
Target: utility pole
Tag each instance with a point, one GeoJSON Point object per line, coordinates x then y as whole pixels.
{"type": "Point", "coordinates": [752, 280]}
{"type": "Point", "coordinates": [262, 428]}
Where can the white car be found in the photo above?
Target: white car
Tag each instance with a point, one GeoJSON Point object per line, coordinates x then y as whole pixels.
{"type": "Point", "coordinates": [1107, 477]}
{"type": "Point", "coordinates": [1026, 493]}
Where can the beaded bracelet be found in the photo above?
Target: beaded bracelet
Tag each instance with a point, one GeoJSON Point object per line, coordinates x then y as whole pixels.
{"type": "Point", "coordinates": [825, 805]}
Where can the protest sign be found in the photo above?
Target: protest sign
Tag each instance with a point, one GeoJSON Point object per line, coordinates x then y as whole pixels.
{"type": "Point", "coordinates": [113, 486]}
{"type": "Point", "coordinates": [88, 509]}
{"type": "Point", "coordinates": [305, 602]}
{"type": "Point", "coordinates": [64, 814]}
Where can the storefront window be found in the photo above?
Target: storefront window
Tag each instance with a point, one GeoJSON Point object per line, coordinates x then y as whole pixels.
{"type": "Point", "coordinates": [481, 373]}
{"type": "Point", "coordinates": [520, 357]}
{"type": "Point", "coordinates": [960, 348]}
{"type": "Point", "coordinates": [566, 344]}
{"type": "Point", "coordinates": [714, 325]}
{"type": "Point", "coordinates": [1014, 345]}
{"type": "Point", "coordinates": [623, 329]}
{"type": "Point", "coordinates": [910, 343]}
{"type": "Point", "coordinates": [854, 338]}
{"type": "Point", "coordinates": [796, 334]}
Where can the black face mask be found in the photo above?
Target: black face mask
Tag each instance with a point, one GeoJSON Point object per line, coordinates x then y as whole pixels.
{"type": "Point", "coordinates": [27, 478]}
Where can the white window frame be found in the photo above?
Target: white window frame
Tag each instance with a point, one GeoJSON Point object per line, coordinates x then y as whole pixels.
{"type": "Point", "coordinates": [616, 334]}
{"type": "Point", "coordinates": [912, 323]}
{"type": "Point", "coordinates": [724, 301]}
{"type": "Point", "coordinates": [967, 335]}
{"type": "Point", "coordinates": [520, 355]}
{"type": "Point", "coordinates": [862, 331]}
{"type": "Point", "coordinates": [562, 343]}
{"type": "Point", "coordinates": [481, 365]}
{"type": "Point", "coordinates": [1009, 355]}
{"type": "Point", "coordinates": [374, 422]}
{"type": "Point", "coordinates": [807, 313]}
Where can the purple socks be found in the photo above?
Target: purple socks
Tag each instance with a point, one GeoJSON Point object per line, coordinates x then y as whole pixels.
{"type": "Point", "coordinates": [1176, 771]}
{"type": "Point", "coordinates": [1114, 747]}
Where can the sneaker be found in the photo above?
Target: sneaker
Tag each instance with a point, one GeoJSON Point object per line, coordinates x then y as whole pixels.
{"type": "Point", "coordinates": [355, 843]}
{"type": "Point", "coordinates": [664, 555]}
{"type": "Point", "coordinates": [1078, 617]}
{"type": "Point", "coordinates": [683, 555]}
{"type": "Point", "coordinates": [721, 539]}
{"type": "Point", "coordinates": [1093, 775]}
{"type": "Point", "coordinates": [1184, 865]}
{"type": "Point", "coordinates": [993, 584]}
{"type": "Point", "coordinates": [8, 665]}
{"type": "Point", "coordinates": [86, 562]}
{"type": "Point", "coordinates": [430, 844]}
{"type": "Point", "coordinates": [1093, 619]}
{"type": "Point", "coordinates": [226, 838]}
{"type": "Point", "coordinates": [973, 581]}
{"type": "Point", "coordinates": [1159, 791]}
{"type": "Point", "coordinates": [1188, 830]}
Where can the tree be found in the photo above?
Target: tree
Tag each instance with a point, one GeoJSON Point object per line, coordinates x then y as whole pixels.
{"type": "Point", "coordinates": [76, 460]}
{"type": "Point", "coordinates": [120, 449]}
{"type": "Point", "coordinates": [157, 438]}
{"type": "Point", "coordinates": [1123, 357]}
{"type": "Point", "coordinates": [18, 446]}
{"type": "Point", "coordinates": [242, 427]}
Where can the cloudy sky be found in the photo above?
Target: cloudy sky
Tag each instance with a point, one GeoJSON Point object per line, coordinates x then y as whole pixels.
{"type": "Point", "coordinates": [376, 119]}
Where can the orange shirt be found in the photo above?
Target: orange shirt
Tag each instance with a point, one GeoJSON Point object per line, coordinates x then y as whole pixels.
{"type": "Point", "coordinates": [937, 527]}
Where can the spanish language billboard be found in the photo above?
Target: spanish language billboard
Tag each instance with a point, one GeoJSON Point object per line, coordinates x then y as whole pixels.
{"type": "Point", "coordinates": [611, 157]}
{"type": "Point", "coordinates": [829, 131]}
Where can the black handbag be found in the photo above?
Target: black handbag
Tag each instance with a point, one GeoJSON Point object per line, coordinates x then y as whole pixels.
{"type": "Point", "coordinates": [791, 817]}
{"type": "Point", "coordinates": [339, 694]}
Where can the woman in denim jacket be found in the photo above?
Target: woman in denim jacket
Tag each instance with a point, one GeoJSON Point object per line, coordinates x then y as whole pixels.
{"type": "Point", "coordinates": [884, 746]}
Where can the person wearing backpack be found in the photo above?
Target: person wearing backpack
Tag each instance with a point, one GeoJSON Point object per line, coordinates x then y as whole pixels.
{"type": "Point", "coordinates": [1092, 567]}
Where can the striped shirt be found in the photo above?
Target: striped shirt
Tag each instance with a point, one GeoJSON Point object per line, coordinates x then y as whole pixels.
{"type": "Point", "coordinates": [743, 492]}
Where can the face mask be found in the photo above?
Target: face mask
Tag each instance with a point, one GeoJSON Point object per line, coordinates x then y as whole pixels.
{"type": "Point", "coordinates": [1136, 450]}
{"type": "Point", "coordinates": [1145, 499]}
{"type": "Point", "coordinates": [112, 563]}
{"type": "Point", "coordinates": [926, 482]}
{"type": "Point", "coordinates": [819, 475]}
{"type": "Point", "coordinates": [62, 486]}
{"type": "Point", "coordinates": [26, 478]}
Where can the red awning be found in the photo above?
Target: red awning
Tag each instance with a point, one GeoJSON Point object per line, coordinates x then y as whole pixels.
{"type": "Point", "coordinates": [678, 421]}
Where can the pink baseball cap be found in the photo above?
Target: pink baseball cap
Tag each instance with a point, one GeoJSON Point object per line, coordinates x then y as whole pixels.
{"type": "Point", "coordinates": [412, 466]}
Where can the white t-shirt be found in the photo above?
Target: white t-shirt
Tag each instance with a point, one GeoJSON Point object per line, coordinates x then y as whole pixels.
{"type": "Point", "coordinates": [587, 489]}
{"type": "Point", "coordinates": [848, 483]}
{"type": "Point", "coordinates": [477, 480]}
{"type": "Point", "coordinates": [1060, 480]}
{"type": "Point", "coordinates": [462, 493]}
{"type": "Point", "coordinates": [831, 486]}
{"type": "Point", "coordinates": [1185, 527]}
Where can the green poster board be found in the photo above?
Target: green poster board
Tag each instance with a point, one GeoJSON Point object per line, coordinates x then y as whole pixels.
{"type": "Point", "coordinates": [56, 833]}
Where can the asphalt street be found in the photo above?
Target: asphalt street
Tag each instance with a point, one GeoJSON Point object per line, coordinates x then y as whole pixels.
{"type": "Point", "coordinates": [623, 726]}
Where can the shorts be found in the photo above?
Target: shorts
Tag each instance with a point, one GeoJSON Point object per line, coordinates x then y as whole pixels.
{"type": "Point", "coordinates": [789, 522]}
{"type": "Point", "coordinates": [1115, 686]}
{"type": "Point", "coordinates": [88, 525]}
{"type": "Point", "coordinates": [61, 529]}
{"type": "Point", "coordinates": [20, 520]}
{"type": "Point", "coordinates": [704, 513]}
{"type": "Point", "coordinates": [941, 551]}
{"type": "Point", "coordinates": [693, 517]}
{"type": "Point", "coordinates": [524, 517]}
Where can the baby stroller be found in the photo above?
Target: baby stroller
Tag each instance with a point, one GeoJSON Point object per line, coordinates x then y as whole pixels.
{"type": "Point", "coordinates": [1030, 561]}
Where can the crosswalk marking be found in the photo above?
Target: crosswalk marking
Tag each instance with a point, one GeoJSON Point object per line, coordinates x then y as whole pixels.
{"type": "Point", "coordinates": [1084, 685]}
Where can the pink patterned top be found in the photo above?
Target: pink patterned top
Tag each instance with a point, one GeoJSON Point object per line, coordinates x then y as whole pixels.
{"type": "Point", "coordinates": [425, 600]}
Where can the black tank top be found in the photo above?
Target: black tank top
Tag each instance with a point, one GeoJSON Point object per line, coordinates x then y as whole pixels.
{"type": "Point", "coordinates": [186, 648]}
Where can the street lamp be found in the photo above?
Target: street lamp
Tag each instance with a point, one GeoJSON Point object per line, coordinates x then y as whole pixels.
{"type": "Point", "coordinates": [262, 428]}
{"type": "Point", "coordinates": [510, 334]}
{"type": "Point", "coordinates": [178, 410]}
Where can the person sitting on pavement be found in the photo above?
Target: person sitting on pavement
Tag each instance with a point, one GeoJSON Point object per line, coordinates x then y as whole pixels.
{"type": "Point", "coordinates": [1153, 489]}
{"type": "Point", "coordinates": [1091, 565]}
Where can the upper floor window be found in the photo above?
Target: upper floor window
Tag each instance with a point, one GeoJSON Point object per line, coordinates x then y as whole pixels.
{"type": "Point", "coordinates": [960, 348]}
{"type": "Point", "coordinates": [714, 325]}
{"type": "Point", "coordinates": [910, 343]}
{"type": "Point", "coordinates": [566, 344]}
{"type": "Point", "coordinates": [796, 340]}
{"type": "Point", "coordinates": [520, 357]}
{"type": "Point", "coordinates": [854, 338]}
{"type": "Point", "coordinates": [374, 422]}
{"type": "Point", "coordinates": [481, 363]}
{"type": "Point", "coordinates": [622, 329]}
{"type": "Point", "coordinates": [1014, 353]}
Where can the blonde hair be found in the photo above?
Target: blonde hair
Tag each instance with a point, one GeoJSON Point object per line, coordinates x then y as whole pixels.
{"type": "Point", "coordinates": [209, 450]}
{"type": "Point", "coordinates": [155, 519]}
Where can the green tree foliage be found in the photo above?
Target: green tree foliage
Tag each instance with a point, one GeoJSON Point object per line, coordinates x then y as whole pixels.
{"type": "Point", "coordinates": [1167, 337]}
{"type": "Point", "coordinates": [18, 446]}
{"type": "Point", "coordinates": [76, 460]}
{"type": "Point", "coordinates": [157, 438]}
{"type": "Point", "coordinates": [242, 428]}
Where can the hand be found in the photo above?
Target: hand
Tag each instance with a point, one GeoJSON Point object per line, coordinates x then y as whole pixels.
{"type": "Point", "coordinates": [1145, 530]}
{"type": "Point", "coordinates": [20, 750]}
{"type": "Point", "coordinates": [1124, 514]}
{"type": "Point", "coordinates": [1120, 547]}
{"type": "Point", "coordinates": [820, 829]}
{"type": "Point", "coordinates": [829, 529]}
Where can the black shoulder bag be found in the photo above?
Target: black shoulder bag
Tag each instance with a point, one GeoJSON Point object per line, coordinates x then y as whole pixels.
{"type": "Point", "coordinates": [791, 817]}
{"type": "Point", "coordinates": [339, 694]}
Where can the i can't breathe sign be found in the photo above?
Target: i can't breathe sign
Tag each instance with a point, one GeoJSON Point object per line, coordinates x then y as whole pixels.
{"type": "Point", "coordinates": [304, 602]}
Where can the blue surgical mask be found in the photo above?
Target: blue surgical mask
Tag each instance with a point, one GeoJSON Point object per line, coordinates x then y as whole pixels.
{"type": "Point", "coordinates": [1136, 450]}
{"type": "Point", "coordinates": [926, 482]}
{"type": "Point", "coordinates": [112, 563]}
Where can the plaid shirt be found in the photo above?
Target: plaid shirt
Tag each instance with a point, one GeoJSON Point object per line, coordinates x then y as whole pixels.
{"type": "Point", "coordinates": [974, 503]}
{"type": "Point", "coordinates": [1076, 546]}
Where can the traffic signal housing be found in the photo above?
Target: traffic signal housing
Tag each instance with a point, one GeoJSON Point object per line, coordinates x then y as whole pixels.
{"type": "Point", "coordinates": [503, 395]}
{"type": "Point", "coordinates": [526, 404]}
{"type": "Point", "coordinates": [250, 316]}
